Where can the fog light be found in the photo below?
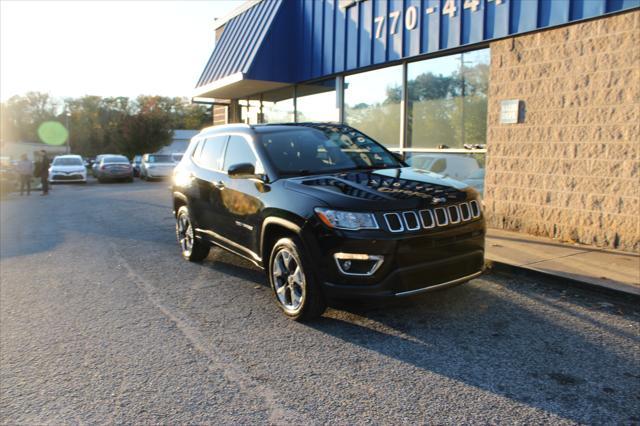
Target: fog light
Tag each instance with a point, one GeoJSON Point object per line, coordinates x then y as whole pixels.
{"type": "Point", "coordinates": [358, 264]}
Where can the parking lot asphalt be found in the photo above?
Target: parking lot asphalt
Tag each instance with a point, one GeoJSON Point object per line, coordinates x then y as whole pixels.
{"type": "Point", "coordinates": [101, 321]}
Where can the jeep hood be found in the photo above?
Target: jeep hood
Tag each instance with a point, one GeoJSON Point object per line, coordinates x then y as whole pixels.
{"type": "Point", "coordinates": [386, 189]}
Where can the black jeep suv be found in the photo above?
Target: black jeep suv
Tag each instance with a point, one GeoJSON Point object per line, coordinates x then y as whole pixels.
{"type": "Point", "coordinates": [327, 212]}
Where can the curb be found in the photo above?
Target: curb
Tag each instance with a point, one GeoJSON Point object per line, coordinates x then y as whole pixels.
{"type": "Point", "coordinates": [611, 288]}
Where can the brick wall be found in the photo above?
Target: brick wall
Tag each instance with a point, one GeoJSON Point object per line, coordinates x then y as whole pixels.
{"type": "Point", "coordinates": [570, 170]}
{"type": "Point", "coordinates": [219, 114]}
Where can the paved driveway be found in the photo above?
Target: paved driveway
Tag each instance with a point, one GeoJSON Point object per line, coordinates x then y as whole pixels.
{"type": "Point", "coordinates": [102, 321]}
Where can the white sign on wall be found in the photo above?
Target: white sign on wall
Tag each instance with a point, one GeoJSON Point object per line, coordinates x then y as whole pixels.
{"type": "Point", "coordinates": [510, 111]}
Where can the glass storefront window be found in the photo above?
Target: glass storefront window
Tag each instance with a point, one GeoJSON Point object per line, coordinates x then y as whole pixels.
{"type": "Point", "coordinates": [465, 167]}
{"type": "Point", "coordinates": [372, 104]}
{"type": "Point", "coordinates": [317, 101]}
{"type": "Point", "coordinates": [250, 111]}
{"type": "Point", "coordinates": [447, 101]}
{"type": "Point", "coordinates": [277, 106]}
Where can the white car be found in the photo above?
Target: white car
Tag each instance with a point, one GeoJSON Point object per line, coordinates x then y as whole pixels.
{"type": "Point", "coordinates": [156, 166]}
{"type": "Point", "coordinates": [67, 168]}
{"type": "Point", "coordinates": [453, 166]}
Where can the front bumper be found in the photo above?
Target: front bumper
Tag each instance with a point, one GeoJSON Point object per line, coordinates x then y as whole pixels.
{"type": "Point", "coordinates": [76, 177]}
{"type": "Point", "coordinates": [413, 263]}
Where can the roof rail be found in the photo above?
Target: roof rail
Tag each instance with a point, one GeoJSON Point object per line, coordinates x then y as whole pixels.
{"type": "Point", "coordinates": [224, 126]}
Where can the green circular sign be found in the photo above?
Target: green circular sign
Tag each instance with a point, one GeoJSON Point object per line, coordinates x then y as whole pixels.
{"type": "Point", "coordinates": [53, 133]}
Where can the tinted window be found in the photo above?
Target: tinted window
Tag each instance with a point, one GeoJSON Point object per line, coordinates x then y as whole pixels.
{"type": "Point", "coordinates": [238, 151]}
{"type": "Point", "coordinates": [67, 161]}
{"type": "Point", "coordinates": [115, 159]}
{"type": "Point", "coordinates": [160, 159]}
{"type": "Point", "coordinates": [300, 150]}
{"type": "Point", "coordinates": [211, 154]}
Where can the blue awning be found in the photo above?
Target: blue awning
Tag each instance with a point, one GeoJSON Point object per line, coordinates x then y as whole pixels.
{"type": "Point", "coordinates": [239, 65]}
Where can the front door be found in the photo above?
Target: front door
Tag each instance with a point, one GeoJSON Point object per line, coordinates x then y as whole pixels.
{"type": "Point", "coordinates": [241, 197]}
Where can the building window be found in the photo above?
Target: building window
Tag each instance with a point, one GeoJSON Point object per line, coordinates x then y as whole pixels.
{"type": "Point", "coordinates": [447, 101]}
{"type": "Point", "coordinates": [372, 104]}
{"type": "Point", "coordinates": [277, 106]}
{"type": "Point", "coordinates": [250, 110]}
{"type": "Point", "coordinates": [317, 102]}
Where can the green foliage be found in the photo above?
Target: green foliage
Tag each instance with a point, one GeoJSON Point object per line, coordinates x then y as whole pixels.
{"type": "Point", "coordinates": [118, 125]}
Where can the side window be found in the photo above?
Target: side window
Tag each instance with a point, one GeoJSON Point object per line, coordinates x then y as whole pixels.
{"type": "Point", "coordinates": [210, 156]}
{"type": "Point", "coordinates": [238, 151]}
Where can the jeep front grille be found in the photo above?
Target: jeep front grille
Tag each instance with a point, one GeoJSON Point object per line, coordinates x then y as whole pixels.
{"type": "Point", "coordinates": [431, 218]}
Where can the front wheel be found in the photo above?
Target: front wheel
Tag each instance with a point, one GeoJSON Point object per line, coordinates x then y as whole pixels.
{"type": "Point", "coordinates": [293, 280]}
{"type": "Point", "coordinates": [193, 249]}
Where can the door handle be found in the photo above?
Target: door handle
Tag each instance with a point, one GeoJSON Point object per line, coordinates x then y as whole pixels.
{"type": "Point", "coordinates": [219, 184]}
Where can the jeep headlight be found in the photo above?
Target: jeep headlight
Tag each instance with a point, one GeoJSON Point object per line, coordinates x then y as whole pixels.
{"type": "Point", "coordinates": [346, 220]}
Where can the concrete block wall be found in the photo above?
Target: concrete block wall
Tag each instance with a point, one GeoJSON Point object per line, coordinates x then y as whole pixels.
{"type": "Point", "coordinates": [571, 169]}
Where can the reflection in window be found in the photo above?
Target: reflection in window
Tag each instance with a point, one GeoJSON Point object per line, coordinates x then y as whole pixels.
{"type": "Point", "coordinates": [317, 102]}
{"type": "Point", "coordinates": [467, 168]}
{"type": "Point", "coordinates": [447, 101]}
{"type": "Point", "coordinates": [277, 106]}
{"type": "Point", "coordinates": [238, 151]}
{"type": "Point", "coordinates": [372, 104]}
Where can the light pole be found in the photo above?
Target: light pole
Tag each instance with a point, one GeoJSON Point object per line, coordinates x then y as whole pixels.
{"type": "Point", "coordinates": [68, 114]}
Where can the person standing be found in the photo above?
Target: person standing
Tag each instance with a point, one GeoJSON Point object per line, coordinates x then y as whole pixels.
{"type": "Point", "coordinates": [43, 171]}
{"type": "Point", "coordinates": [25, 173]}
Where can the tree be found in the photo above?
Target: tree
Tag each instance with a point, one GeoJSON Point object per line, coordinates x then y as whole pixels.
{"type": "Point", "coordinates": [22, 115]}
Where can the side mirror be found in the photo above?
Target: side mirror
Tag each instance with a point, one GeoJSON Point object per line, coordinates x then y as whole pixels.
{"type": "Point", "coordinates": [241, 170]}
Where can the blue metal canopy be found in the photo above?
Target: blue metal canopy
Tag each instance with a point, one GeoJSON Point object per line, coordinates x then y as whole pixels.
{"type": "Point", "coordinates": [278, 42]}
{"type": "Point", "coordinates": [243, 53]}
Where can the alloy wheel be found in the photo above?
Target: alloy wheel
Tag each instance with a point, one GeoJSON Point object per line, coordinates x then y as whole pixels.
{"type": "Point", "coordinates": [289, 280]}
{"type": "Point", "coordinates": [185, 233]}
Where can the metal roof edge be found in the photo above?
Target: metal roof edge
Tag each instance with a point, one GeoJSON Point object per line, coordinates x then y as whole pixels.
{"type": "Point", "coordinates": [225, 81]}
{"type": "Point", "coordinates": [248, 4]}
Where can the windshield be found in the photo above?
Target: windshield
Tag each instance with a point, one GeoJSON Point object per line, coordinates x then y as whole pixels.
{"type": "Point", "coordinates": [324, 149]}
{"type": "Point", "coordinates": [67, 161]}
{"type": "Point", "coordinates": [115, 159]}
{"type": "Point", "coordinates": [160, 159]}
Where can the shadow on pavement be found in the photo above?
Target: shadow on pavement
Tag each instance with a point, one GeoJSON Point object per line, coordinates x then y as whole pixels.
{"type": "Point", "coordinates": [455, 334]}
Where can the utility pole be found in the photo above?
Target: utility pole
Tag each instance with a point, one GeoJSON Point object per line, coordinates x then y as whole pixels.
{"type": "Point", "coordinates": [68, 115]}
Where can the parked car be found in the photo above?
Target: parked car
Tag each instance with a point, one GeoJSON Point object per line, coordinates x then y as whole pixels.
{"type": "Point", "coordinates": [327, 212]}
{"type": "Point", "coordinates": [8, 176]}
{"type": "Point", "coordinates": [476, 181]}
{"type": "Point", "coordinates": [135, 164]}
{"type": "Point", "coordinates": [96, 164]}
{"type": "Point", "coordinates": [454, 166]}
{"type": "Point", "coordinates": [156, 166]}
{"type": "Point", "coordinates": [67, 168]}
{"type": "Point", "coordinates": [114, 167]}
{"type": "Point", "coordinates": [177, 156]}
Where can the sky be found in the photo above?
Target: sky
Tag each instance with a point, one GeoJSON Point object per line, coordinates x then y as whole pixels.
{"type": "Point", "coordinates": [106, 48]}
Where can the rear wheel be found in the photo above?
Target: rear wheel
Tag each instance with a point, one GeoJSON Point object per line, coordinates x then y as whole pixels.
{"type": "Point", "coordinates": [293, 280]}
{"type": "Point", "coordinates": [193, 249]}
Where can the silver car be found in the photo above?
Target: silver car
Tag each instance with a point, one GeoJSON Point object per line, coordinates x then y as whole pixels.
{"type": "Point", "coordinates": [156, 166]}
{"type": "Point", "coordinates": [114, 167]}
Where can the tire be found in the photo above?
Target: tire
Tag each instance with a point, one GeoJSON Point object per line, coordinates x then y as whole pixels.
{"type": "Point", "coordinates": [193, 249]}
{"type": "Point", "coordinates": [293, 280]}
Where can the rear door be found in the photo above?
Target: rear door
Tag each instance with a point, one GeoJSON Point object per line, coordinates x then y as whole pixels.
{"type": "Point", "coordinates": [207, 205]}
{"type": "Point", "coordinates": [241, 197]}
